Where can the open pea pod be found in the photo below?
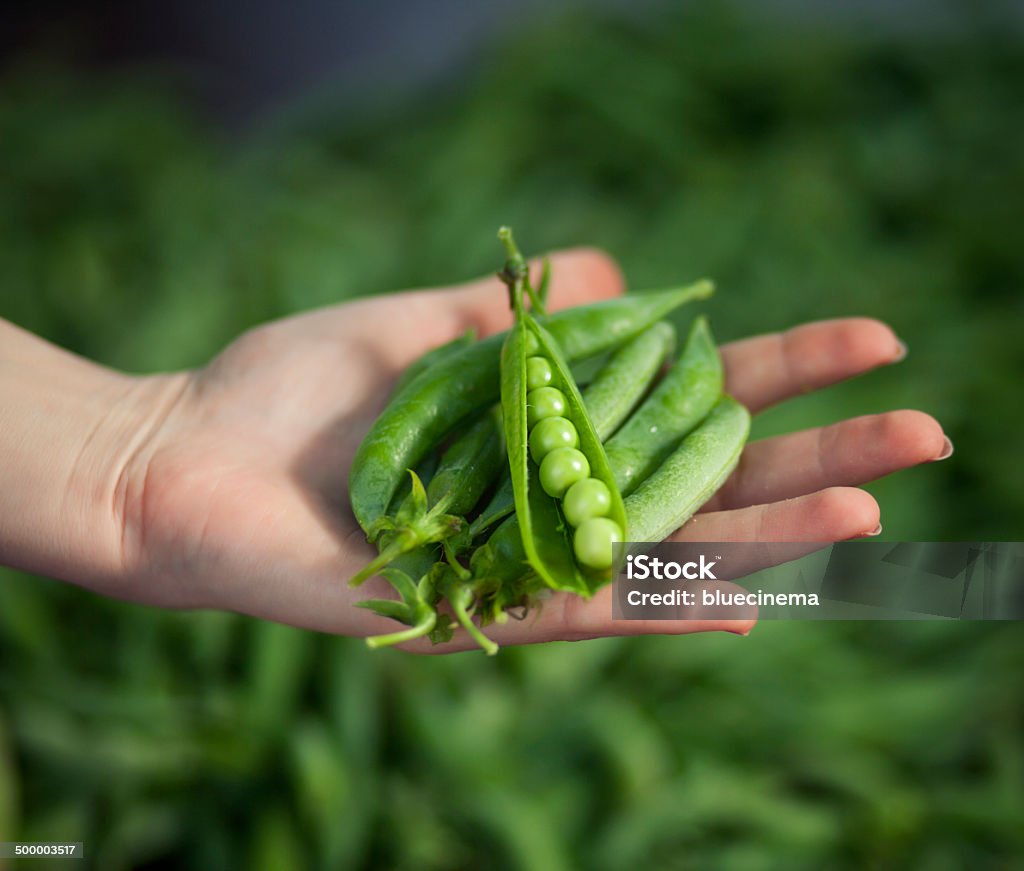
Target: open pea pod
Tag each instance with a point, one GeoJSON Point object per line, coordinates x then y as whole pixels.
{"type": "Point", "coordinates": [546, 535]}
{"type": "Point", "coordinates": [614, 393]}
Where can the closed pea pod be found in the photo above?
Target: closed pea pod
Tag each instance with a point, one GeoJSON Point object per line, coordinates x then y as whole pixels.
{"type": "Point", "coordinates": [432, 358]}
{"type": "Point", "coordinates": [621, 383]}
{"type": "Point", "coordinates": [691, 474]}
{"type": "Point", "coordinates": [681, 401]}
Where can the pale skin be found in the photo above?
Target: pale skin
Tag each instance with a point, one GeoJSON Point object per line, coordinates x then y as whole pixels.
{"type": "Point", "coordinates": [226, 487]}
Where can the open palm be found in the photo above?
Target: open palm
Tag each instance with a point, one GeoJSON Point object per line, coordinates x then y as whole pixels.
{"type": "Point", "coordinates": [238, 498]}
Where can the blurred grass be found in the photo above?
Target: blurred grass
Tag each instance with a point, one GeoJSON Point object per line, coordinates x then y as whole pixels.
{"type": "Point", "coordinates": [813, 172]}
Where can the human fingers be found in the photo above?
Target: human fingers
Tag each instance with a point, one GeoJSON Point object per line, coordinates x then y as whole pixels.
{"type": "Point", "coordinates": [764, 370]}
{"type": "Point", "coordinates": [781, 531]}
{"type": "Point", "coordinates": [566, 617]}
{"type": "Point", "coordinates": [848, 453]}
{"type": "Point", "coordinates": [577, 619]}
{"type": "Point", "coordinates": [832, 514]}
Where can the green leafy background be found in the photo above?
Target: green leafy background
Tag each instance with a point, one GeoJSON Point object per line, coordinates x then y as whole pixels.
{"type": "Point", "coordinates": [814, 170]}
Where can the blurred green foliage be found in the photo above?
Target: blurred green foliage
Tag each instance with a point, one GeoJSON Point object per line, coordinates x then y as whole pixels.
{"type": "Point", "coordinates": [813, 171]}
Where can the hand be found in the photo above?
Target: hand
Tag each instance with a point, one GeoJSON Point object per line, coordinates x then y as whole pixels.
{"type": "Point", "coordinates": [238, 497]}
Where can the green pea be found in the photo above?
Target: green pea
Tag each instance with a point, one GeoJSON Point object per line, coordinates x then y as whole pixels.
{"type": "Point", "coordinates": [544, 402]}
{"type": "Point", "coordinates": [562, 468]}
{"type": "Point", "coordinates": [585, 499]}
{"type": "Point", "coordinates": [594, 540]}
{"type": "Point", "coordinates": [538, 373]}
{"type": "Point", "coordinates": [531, 345]}
{"type": "Point", "coordinates": [552, 433]}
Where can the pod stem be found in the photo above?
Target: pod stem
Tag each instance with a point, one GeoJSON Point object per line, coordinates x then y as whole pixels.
{"type": "Point", "coordinates": [424, 627]}
{"type": "Point", "coordinates": [458, 603]}
{"type": "Point", "coordinates": [516, 275]}
{"type": "Point", "coordinates": [403, 543]}
{"type": "Point", "coordinates": [545, 283]}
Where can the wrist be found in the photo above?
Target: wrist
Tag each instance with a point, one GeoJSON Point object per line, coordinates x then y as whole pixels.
{"type": "Point", "coordinates": [68, 429]}
{"type": "Point", "coordinates": [106, 485]}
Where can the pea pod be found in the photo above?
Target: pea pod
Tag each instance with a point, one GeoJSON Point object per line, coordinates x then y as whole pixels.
{"type": "Point", "coordinates": [502, 558]}
{"type": "Point", "coordinates": [426, 468]}
{"type": "Point", "coordinates": [424, 473]}
{"type": "Point", "coordinates": [681, 401]}
{"type": "Point", "coordinates": [621, 383]}
{"type": "Point", "coordinates": [615, 391]}
{"type": "Point", "coordinates": [432, 358]}
{"type": "Point", "coordinates": [691, 474]}
{"type": "Point", "coordinates": [537, 389]}
{"type": "Point", "coordinates": [468, 467]}
{"type": "Point", "coordinates": [466, 470]}
{"type": "Point", "coordinates": [451, 390]}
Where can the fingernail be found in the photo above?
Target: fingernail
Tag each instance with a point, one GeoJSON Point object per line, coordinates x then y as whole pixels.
{"type": "Point", "coordinates": [947, 450]}
{"type": "Point", "coordinates": [876, 531]}
{"type": "Point", "coordinates": [901, 351]}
